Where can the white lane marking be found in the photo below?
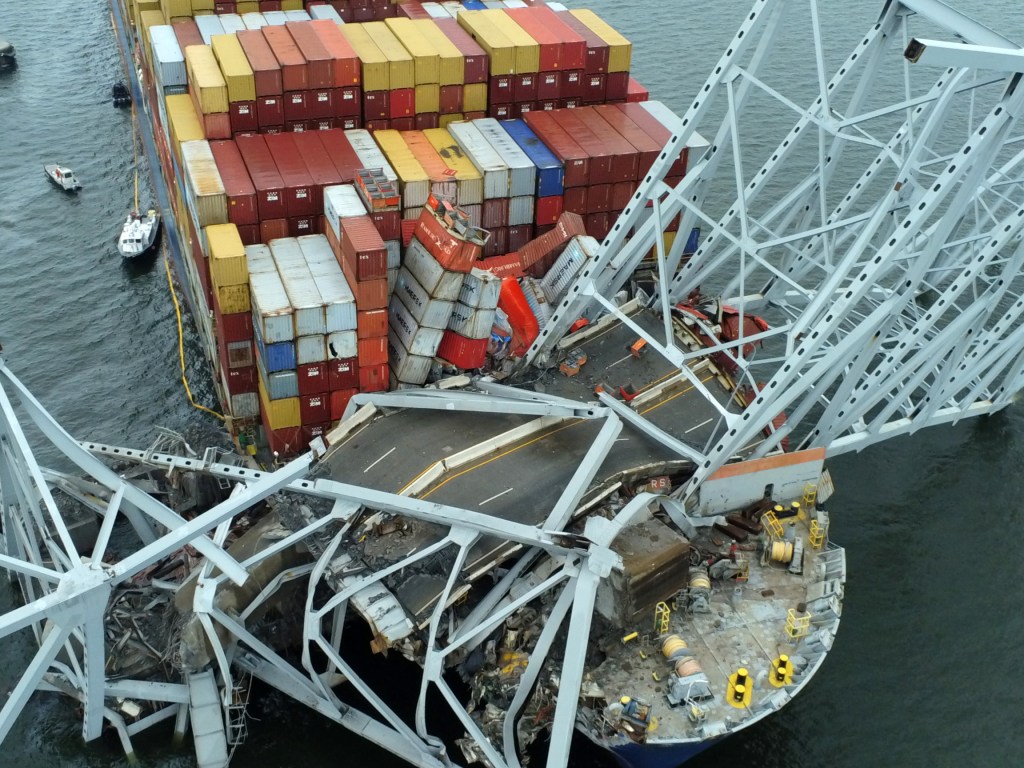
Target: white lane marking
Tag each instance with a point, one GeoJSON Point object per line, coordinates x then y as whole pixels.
{"type": "Point", "coordinates": [698, 426]}
{"type": "Point", "coordinates": [621, 360]}
{"type": "Point", "coordinates": [495, 496]}
{"type": "Point", "coordinates": [378, 461]}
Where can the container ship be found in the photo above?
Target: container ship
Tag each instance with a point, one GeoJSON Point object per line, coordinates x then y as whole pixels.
{"type": "Point", "coordinates": [375, 209]}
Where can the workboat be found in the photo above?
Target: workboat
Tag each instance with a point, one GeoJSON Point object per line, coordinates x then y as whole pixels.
{"type": "Point", "coordinates": [579, 484]}
{"type": "Point", "coordinates": [7, 55]}
{"type": "Point", "coordinates": [139, 235]}
{"type": "Point", "coordinates": [63, 177]}
{"type": "Point", "coordinates": [120, 95]}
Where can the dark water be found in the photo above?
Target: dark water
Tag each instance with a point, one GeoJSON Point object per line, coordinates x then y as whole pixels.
{"type": "Point", "coordinates": [925, 668]}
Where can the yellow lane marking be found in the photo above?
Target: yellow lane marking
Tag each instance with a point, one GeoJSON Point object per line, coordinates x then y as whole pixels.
{"type": "Point", "coordinates": [677, 394]}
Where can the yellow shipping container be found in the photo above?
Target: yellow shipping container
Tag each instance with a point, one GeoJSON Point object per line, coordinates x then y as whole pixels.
{"type": "Point", "coordinates": [147, 19]}
{"type": "Point", "coordinates": [374, 63]}
{"type": "Point", "coordinates": [138, 7]}
{"type": "Point", "coordinates": [291, 5]}
{"type": "Point", "coordinates": [451, 69]}
{"type": "Point", "coordinates": [228, 265]}
{"type": "Point", "coordinates": [620, 50]}
{"type": "Point", "coordinates": [406, 166]}
{"type": "Point", "coordinates": [445, 120]}
{"type": "Point", "coordinates": [235, 67]}
{"type": "Point", "coordinates": [499, 48]}
{"type": "Point", "coordinates": [233, 299]}
{"type": "Point", "coordinates": [172, 8]}
{"type": "Point", "coordinates": [452, 154]}
{"type": "Point", "coordinates": [281, 414]}
{"type": "Point", "coordinates": [247, 6]}
{"type": "Point", "coordinates": [474, 97]}
{"type": "Point", "coordinates": [527, 49]}
{"type": "Point", "coordinates": [428, 98]}
{"type": "Point", "coordinates": [426, 61]}
{"type": "Point", "coordinates": [205, 79]}
{"type": "Point", "coordinates": [183, 122]}
{"type": "Point", "coordinates": [401, 71]}
{"type": "Point", "coordinates": [201, 5]}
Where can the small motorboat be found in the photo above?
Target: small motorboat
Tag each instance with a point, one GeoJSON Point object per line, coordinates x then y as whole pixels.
{"type": "Point", "coordinates": [139, 234]}
{"type": "Point", "coordinates": [7, 56]}
{"type": "Point", "coordinates": [63, 177]}
{"type": "Point", "coordinates": [121, 95]}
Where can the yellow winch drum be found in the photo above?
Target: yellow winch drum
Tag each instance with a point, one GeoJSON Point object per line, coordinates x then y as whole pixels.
{"type": "Point", "coordinates": [700, 580]}
{"type": "Point", "coordinates": [673, 647]}
{"type": "Point", "coordinates": [782, 551]}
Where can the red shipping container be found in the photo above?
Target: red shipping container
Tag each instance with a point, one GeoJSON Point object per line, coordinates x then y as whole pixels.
{"type": "Point", "coordinates": [549, 86]}
{"type": "Point", "coordinates": [521, 108]}
{"type": "Point", "coordinates": [408, 230]}
{"type": "Point", "coordinates": [412, 11]}
{"type": "Point", "coordinates": [314, 409]}
{"type": "Point", "coordinates": [238, 187]}
{"type": "Point", "coordinates": [575, 200]}
{"type": "Point", "coordinates": [601, 156]}
{"type": "Point", "coordinates": [647, 148]}
{"type": "Point", "coordinates": [622, 193]}
{"type": "Point", "coordinates": [374, 378]}
{"type": "Point", "coordinates": [547, 106]}
{"type": "Point", "coordinates": [236, 326]}
{"type": "Point", "coordinates": [361, 14]}
{"type": "Point", "coordinates": [574, 47]}
{"type": "Point", "coordinates": [401, 102]}
{"type": "Point", "coordinates": [348, 123]}
{"type": "Point", "coordinates": [339, 401]}
{"type": "Point", "coordinates": [372, 351]}
{"type": "Point", "coordinates": [424, 120]}
{"type": "Point", "coordinates": [187, 33]}
{"type": "Point", "coordinates": [371, 323]}
{"type": "Point", "coordinates": [636, 92]}
{"type": "Point", "coordinates": [216, 125]}
{"type": "Point", "coordinates": [220, 8]}
{"type": "Point", "coordinates": [342, 373]}
{"type": "Point", "coordinates": [476, 63]}
{"type": "Point", "coordinates": [294, 75]}
{"type": "Point", "coordinates": [598, 225]}
{"type": "Point", "coordinates": [618, 86]}
{"type": "Point", "coordinates": [625, 157]}
{"type": "Point", "coordinates": [376, 105]}
{"type": "Point", "coordinates": [388, 224]}
{"type": "Point", "coordinates": [500, 90]}
{"type": "Point", "coordinates": [348, 101]}
{"type": "Point", "coordinates": [559, 141]}
{"type": "Point", "coordinates": [462, 352]}
{"type": "Point", "coordinates": [270, 5]}
{"type": "Point", "coordinates": [569, 103]}
{"type": "Point", "coordinates": [201, 262]}
{"type": "Point", "coordinates": [657, 131]}
{"type": "Point", "coordinates": [343, 9]}
{"type": "Point", "coordinates": [518, 236]}
{"type": "Point", "coordinates": [548, 209]}
{"type": "Point", "coordinates": [346, 68]}
{"type": "Point", "coordinates": [270, 111]}
{"type": "Point", "coordinates": [249, 233]}
{"type": "Point", "coordinates": [339, 150]}
{"type": "Point", "coordinates": [363, 246]}
{"type": "Point", "coordinates": [549, 241]}
{"type": "Point", "coordinates": [524, 87]}
{"type": "Point", "coordinates": [451, 99]}
{"type": "Point", "coordinates": [499, 112]}
{"type": "Point", "coordinates": [311, 432]}
{"type": "Point", "coordinates": [295, 106]}
{"type": "Point", "coordinates": [319, 63]}
{"type": "Point", "coordinates": [313, 379]}
{"type": "Point", "coordinates": [494, 213]}
{"type": "Point", "coordinates": [497, 243]}
{"type": "Point", "coordinates": [402, 124]}
{"type": "Point", "coordinates": [299, 226]}
{"type": "Point", "coordinates": [547, 38]}
{"type": "Point", "coordinates": [320, 103]}
{"type": "Point", "coordinates": [451, 253]}
{"type": "Point", "coordinates": [474, 115]}
{"type": "Point", "coordinates": [599, 198]}
{"type": "Point", "coordinates": [597, 48]}
{"type": "Point", "coordinates": [242, 116]}
{"type": "Point", "coordinates": [572, 84]}
{"type": "Point", "coordinates": [321, 169]}
{"type": "Point", "coordinates": [241, 381]}
{"type": "Point", "coordinates": [299, 191]}
{"type": "Point", "coordinates": [503, 266]}
{"type": "Point", "coordinates": [271, 229]}
{"type": "Point", "coordinates": [265, 69]}
{"type": "Point", "coordinates": [265, 177]}
{"type": "Point", "coordinates": [594, 88]}
{"type": "Point", "coordinates": [295, 126]}
{"type": "Point", "coordinates": [322, 124]}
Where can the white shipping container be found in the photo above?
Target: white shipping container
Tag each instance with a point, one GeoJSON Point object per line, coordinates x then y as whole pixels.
{"type": "Point", "coordinates": [522, 172]}
{"type": "Point", "coordinates": [515, 4]}
{"type": "Point", "coordinates": [411, 214]}
{"type": "Point", "coordinates": [442, 190]}
{"type": "Point", "coordinates": [537, 301]}
{"type": "Point", "coordinates": [304, 296]}
{"type": "Point", "coordinates": [232, 22]}
{"type": "Point", "coordinates": [430, 313]}
{"type": "Point", "coordinates": [339, 300]}
{"type": "Point", "coordinates": [245, 406]}
{"type": "Point", "coordinates": [341, 201]}
{"type": "Point", "coordinates": [408, 369]}
{"type": "Point", "coordinates": [280, 384]}
{"type": "Point", "coordinates": [254, 20]}
{"type": "Point", "coordinates": [484, 158]}
{"type": "Point", "coordinates": [416, 339]}
{"type": "Point", "coordinates": [436, 11]}
{"type": "Point", "coordinates": [480, 289]}
{"type": "Point", "coordinates": [392, 279]}
{"type": "Point", "coordinates": [369, 153]}
{"type": "Point", "coordinates": [209, 26]}
{"type": "Point", "coordinates": [275, 18]}
{"type": "Point", "coordinates": [520, 210]}
{"type": "Point", "coordinates": [318, 12]}
{"type": "Point", "coordinates": [438, 281]}
{"type": "Point", "coordinates": [169, 61]}
{"type": "Point", "coordinates": [578, 251]}
{"type": "Point", "coordinates": [469, 191]}
{"type": "Point", "coordinates": [558, 6]}
{"type": "Point", "coordinates": [473, 323]}
{"type": "Point", "coordinates": [259, 259]}
{"type": "Point", "coordinates": [342, 344]}
{"type": "Point", "coordinates": [271, 309]}
{"type": "Point", "coordinates": [297, 16]}
{"type": "Point", "coordinates": [394, 253]}
{"type": "Point", "coordinates": [204, 188]}
{"type": "Point", "coordinates": [310, 349]}
{"type": "Point", "coordinates": [664, 115]}
{"type": "Point", "coordinates": [454, 7]}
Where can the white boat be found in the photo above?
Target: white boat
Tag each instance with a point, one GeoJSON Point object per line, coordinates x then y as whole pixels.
{"type": "Point", "coordinates": [139, 234]}
{"type": "Point", "coordinates": [63, 177]}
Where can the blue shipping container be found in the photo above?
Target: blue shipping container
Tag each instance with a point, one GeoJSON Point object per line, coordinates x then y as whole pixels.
{"type": "Point", "coordinates": [279, 356]}
{"type": "Point", "coordinates": [550, 171]}
{"type": "Point", "coordinates": [473, 5]}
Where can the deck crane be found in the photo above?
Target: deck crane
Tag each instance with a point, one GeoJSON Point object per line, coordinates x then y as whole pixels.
{"type": "Point", "coordinates": [889, 270]}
